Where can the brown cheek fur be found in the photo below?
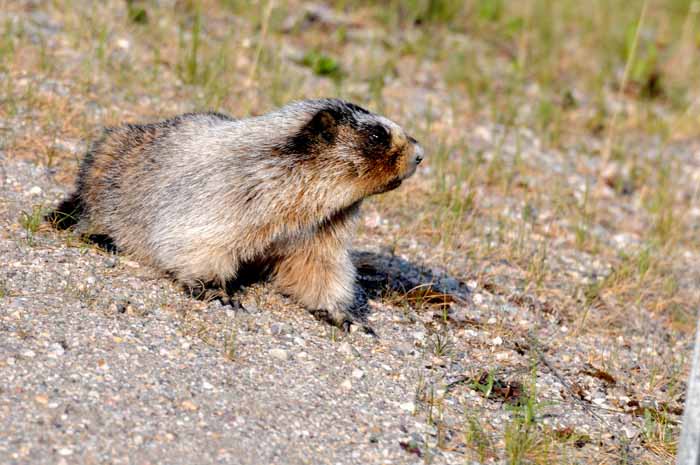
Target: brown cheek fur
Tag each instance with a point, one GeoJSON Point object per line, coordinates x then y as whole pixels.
{"type": "Point", "coordinates": [382, 172]}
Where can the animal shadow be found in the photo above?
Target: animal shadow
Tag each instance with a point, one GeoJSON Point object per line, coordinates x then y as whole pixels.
{"type": "Point", "coordinates": [381, 274]}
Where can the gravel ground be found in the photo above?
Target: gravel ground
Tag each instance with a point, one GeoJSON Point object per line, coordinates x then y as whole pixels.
{"type": "Point", "coordinates": [103, 361]}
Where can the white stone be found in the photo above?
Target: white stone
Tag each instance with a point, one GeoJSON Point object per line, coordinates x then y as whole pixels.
{"type": "Point", "coordinates": [373, 220]}
{"type": "Point", "coordinates": [630, 431]}
{"type": "Point", "coordinates": [279, 354]}
{"type": "Point", "coordinates": [347, 349]}
{"type": "Point", "coordinates": [56, 349]}
{"type": "Point", "coordinates": [408, 407]}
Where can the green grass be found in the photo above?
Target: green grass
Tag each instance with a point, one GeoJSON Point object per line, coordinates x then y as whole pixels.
{"type": "Point", "coordinates": [524, 438]}
{"type": "Point", "coordinates": [440, 344]}
{"type": "Point", "coordinates": [230, 345]}
{"type": "Point", "coordinates": [521, 434]}
{"type": "Point", "coordinates": [659, 434]}
{"type": "Point", "coordinates": [476, 438]}
{"type": "Point", "coordinates": [31, 222]}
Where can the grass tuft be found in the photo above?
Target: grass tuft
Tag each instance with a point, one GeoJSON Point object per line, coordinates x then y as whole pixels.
{"type": "Point", "coordinates": [31, 222]}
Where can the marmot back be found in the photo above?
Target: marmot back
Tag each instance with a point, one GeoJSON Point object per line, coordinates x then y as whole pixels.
{"type": "Point", "coordinates": [202, 194]}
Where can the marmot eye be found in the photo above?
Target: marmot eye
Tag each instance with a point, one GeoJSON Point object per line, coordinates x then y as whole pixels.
{"type": "Point", "coordinates": [378, 135]}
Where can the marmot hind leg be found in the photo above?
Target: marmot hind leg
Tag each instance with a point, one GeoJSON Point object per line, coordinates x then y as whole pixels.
{"type": "Point", "coordinates": [68, 213]}
{"type": "Point", "coordinates": [72, 214]}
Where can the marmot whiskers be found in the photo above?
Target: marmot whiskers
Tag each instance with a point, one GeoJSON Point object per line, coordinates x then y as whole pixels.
{"type": "Point", "coordinates": [201, 195]}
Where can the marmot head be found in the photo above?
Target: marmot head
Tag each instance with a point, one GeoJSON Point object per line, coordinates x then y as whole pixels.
{"type": "Point", "coordinates": [368, 150]}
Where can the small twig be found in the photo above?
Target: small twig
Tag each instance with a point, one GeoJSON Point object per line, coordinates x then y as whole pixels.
{"type": "Point", "coordinates": [261, 43]}
{"type": "Point", "coordinates": [607, 148]}
{"type": "Point", "coordinates": [541, 357]}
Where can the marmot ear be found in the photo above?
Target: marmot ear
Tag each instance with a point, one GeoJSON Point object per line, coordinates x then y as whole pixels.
{"type": "Point", "coordinates": [321, 130]}
{"type": "Point", "coordinates": [324, 125]}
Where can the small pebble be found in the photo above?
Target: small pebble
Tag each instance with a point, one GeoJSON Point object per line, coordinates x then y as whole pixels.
{"type": "Point", "coordinates": [347, 349]}
{"type": "Point", "coordinates": [347, 385]}
{"type": "Point", "coordinates": [279, 354]}
{"type": "Point", "coordinates": [404, 349]}
{"type": "Point", "coordinates": [250, 307]}
{"type": "Point", "coordinates": [407, 407]}
{"type": "Point", "coordinates": [189, 405]}
{"type": "Point", "coordinates": [56, 349]}
{"type": "Point", "coordinates": [278, 328]}
{"type": "Point", "coordinates": [357, 373]}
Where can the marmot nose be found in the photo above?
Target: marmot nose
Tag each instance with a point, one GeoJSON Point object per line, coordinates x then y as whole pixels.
{"type": "Point", "coordinates": [418, 153]}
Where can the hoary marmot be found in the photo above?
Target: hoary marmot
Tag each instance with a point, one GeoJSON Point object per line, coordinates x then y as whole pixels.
{"type": "Point", "coordinates": [202, 195]}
